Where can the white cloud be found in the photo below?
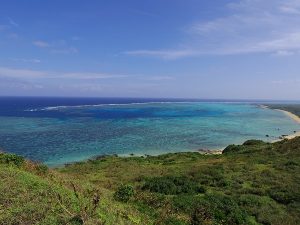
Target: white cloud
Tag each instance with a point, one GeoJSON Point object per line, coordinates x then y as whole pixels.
{"type": "Point", "coordinates": [70, 50]}
{"type": "Point", "coordinates": [56, 47]}
{"type": "Point", "coordinates": [82, 87]}
{"type": "Point", "coordinates": [30, 81]}
{"type": "Point", "coordinates": [283, 53]}
{"type": "Point", "coordinates": [13, 36]}
{"type": "Point", "coordinates": [286, 82]}
{"type": "Point", "coordinates": [12, 22]}
{"type": "Point", "coordinates": [165, 54]}
{"type": "Point", "coordinates": [144, 13]}
{"type": "Point", "coordinates": [89, 76]}
{"type": "Point", "coordinates": [287, 9]}
{"type": "Point", "coordinates": [290, 7]}
{"type": "Point", "coordinates": [159, 78]}
{"type": "Point", "coordinates": [75, 38]}
{"type": "Point", "coordinates": [26, 60]}
{"type": "Point", "coordinates": [19, 85]}
{"type": "Point", "coordinates": [253, 26]}
{"type": "Point", "coordinates": [21, 73]}
{"type": "Point", "coordinates": [8, 29]}
{"type": "Point", "coordinates": [41, 44]}
{"type": "Point", "coordinates": [3, 27]}
{"type": "Point", "coordinates": [38, 74]}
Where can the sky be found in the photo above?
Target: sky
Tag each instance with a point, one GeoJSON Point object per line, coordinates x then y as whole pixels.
{"type": "Point", "coordinates": [225, 49]}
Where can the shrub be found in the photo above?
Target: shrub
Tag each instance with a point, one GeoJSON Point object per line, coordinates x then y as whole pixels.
{"type": "Point", "coordinates": [173, 221]}
{"type": "Point", "coordinates": [212, 176]}
{"type": "Point", "coordinates": [232, 148]}
{"type": "Point", "coordinates": [291, 164]}
{"type": "Point", "coordinates": [151, 199]}
{"type": "Point", "coordinates": [202, 214]}
{"type": "Point", "coordinates": [254, 142]}
{"type": "Point", "coordinates": [12, 159]}
{"type": "Point", "coordinates": [283, 196]}
{"type": "Point", "coordinates": [217, 209]}
{"type": "Point", "coordinates": [124, 193]}
{"type": "Point", "coordinates": [249, 200]}
{"type": "Point", "coordinates": [41, 169]}
{"type": "Point", "coordinates": [171, 185]}
{"type": "Point", "coordinates": [184, 203]}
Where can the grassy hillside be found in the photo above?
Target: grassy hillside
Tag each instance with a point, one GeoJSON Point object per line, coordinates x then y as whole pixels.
{"type": "Point", "coordinates": [254, 183]}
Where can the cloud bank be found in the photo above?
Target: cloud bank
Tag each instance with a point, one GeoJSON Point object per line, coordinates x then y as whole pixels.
{"type": "Point", "coordinates": [251, 26]}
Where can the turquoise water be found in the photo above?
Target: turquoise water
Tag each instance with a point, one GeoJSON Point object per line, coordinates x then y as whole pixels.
{"type": "Point", "coordinates": [58, 135]}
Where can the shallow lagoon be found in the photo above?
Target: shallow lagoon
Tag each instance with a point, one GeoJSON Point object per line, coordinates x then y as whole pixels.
{"type": "Point", "coordinates": [57, 134]}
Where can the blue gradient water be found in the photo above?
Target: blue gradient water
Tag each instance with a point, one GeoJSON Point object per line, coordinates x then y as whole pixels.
{"type": "Point", "coordinates": [60, 130]}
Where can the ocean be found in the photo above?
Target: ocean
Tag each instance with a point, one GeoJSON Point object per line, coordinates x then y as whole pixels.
{"type": "Point", "coordinates": [56, 131]}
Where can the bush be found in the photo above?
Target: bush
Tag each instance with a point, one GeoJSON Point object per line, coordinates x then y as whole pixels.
{"type": "Point", "coordinates": [232, 148]}
{"type": "Point", "coordinates": [254, 142]}
{"type": "Point", "coordinates": [124, 193]}
{"type": "Point", "coordinates": [212, 176]}
{"type": "Point", "coordinates": [12, 159]}
{"type": "Point", "coordinates": [250, 201]}
{"type": "Point", "coordinates": [217, 209]}
{"type": "Point", "coordinates": [202, 214]}
{"type": "Point", "coordinates": [283, 196]}
{"type": "Point", "coordinates": [173, 221]}
{"type": "Point", "coordinates": [41, 169]}
{"type": "Point", "coordinates": [184, 203]}
{"type": "Point", "coordinates": [291, 164]}
{"type": "Point", "coordinates": [171, 185]}
{"type": "Point", "coordinates": [151, 199]}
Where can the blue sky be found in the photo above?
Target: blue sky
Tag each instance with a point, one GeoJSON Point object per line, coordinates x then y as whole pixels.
{"type": "Point", "coordinates": [242, 49]}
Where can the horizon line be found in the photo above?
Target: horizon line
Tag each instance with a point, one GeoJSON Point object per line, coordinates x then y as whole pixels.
{"type": "Point", "coordinates": [175, 98]}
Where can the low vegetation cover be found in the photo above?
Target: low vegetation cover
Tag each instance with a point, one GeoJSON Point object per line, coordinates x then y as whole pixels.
{"type": "Point", "coordinates": [253, 183]}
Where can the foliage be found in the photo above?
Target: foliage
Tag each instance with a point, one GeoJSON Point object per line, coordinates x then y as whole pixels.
{"type": "Point", "coordinates": [254, 183]}
{"type": "Point", "coordinates": [218, 209]}
{"type": "Point", "coordinates": [172, 185]}
{"type": "Point", "coordinates": [232, 149]}
{"type": "Point", "coordinates": [124, 193]}
{"type": "Point", "coordinates": [41, 169]}
{"type": "Point", "coordinates": [254, 142]}
{"type": "Point", "coordinates": [11, 159]}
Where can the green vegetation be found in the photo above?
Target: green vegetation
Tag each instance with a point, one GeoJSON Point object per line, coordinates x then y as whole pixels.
{"type": "Point", "coordinates": [12, 159]}
{"type": "Point", "coordinates": [253, 183]}
{"type": "Point", "coordinates": [171, 185]}
{"type": "Point", "coordinates": [124, 193]}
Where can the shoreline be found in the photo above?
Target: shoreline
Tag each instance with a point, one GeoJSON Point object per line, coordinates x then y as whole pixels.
{"type": "Point", "coordinates": [287, 137]}
{"type": "Point", "coordinates": [288, 113]}
{"type": "Point", "coordinates": [291, 115]}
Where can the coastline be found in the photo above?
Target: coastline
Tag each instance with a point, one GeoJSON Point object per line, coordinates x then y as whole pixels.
{"type": "Point", "coordinates": [289, 114]}
{"type": "Point", "coordinates": [293, 116]}
{"type": "Point", "coordinates": [287, 137]}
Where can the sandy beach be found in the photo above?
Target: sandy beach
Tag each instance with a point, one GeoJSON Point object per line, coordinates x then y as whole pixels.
{"type": "Point", "coordinates": [289, 114]}
{"type": "Point", "coordinates": [291, 136]}
{"type": "Point", "coordinates": [293, 117]}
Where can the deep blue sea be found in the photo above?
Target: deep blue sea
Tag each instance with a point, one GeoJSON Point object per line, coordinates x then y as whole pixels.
{"type": "Point", "coordinates": [62, 130]}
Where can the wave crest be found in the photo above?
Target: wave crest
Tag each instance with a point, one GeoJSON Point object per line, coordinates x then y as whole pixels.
{"type": "Point", "coordinates": [53, 108]}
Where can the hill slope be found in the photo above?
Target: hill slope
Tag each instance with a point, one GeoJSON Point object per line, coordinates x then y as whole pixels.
{"type": "Point", "coordinates": [254, 183]}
